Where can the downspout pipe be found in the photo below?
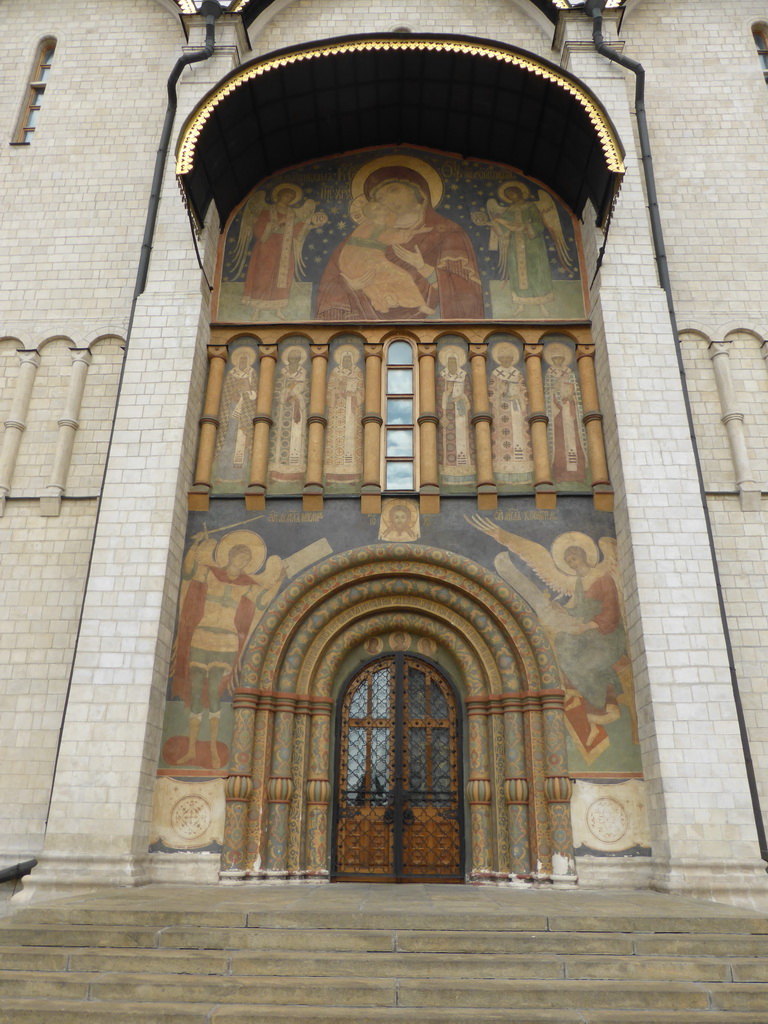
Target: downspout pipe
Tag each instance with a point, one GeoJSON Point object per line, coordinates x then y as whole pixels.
{"type": "Point", "coordinates": [594, 10]}
{"type": "Point", "coordinates": [212, 11]}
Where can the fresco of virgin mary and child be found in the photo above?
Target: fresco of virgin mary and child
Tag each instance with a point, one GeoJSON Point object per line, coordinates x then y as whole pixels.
{"type": "Point", "coordinates": [399, 234]}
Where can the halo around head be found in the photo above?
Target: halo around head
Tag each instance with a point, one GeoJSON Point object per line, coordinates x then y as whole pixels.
{"type": "Point", "coordinates": [557, 348]}
{"type": "Point", "coordinates": [428, 173]}
{"type": "Point", "coordinates": [286, 187]}
{"type": "Point", "coordinates": [503, 348]}
{"type": "Point", "coordinates": [445, 353]}
{"type": "Point", "coordinates": [503, 188]}
{"type": "Point", "coordinates": [247, 538]}
{"type": "Point", "coordinates": [243, 349]}
{"type": "Point", "coordinates": [573, 539]}
{"type": "Point", "coordinates": [293, 350]}
{"type": "Point", "coordinates": [342, 350]}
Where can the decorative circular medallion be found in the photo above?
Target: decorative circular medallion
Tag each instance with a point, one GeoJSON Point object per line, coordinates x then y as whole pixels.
{"type": "Point", "coordinates": [426, 645]}
{"type": "Point", "coordinates": [400, 641]}
{"type": "Point", "coordinates": [191, 817]}
{"type": "Point", "coordinates": [607, 820]}
{"type": "Point", "coordinates": [374, 645]}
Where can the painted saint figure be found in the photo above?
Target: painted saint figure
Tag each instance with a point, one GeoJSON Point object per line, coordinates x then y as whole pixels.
{"type": "Point", "coordinates": [345, 398]}
{"type": "Point", "coordinates": [234, 439]}
{"type": "Point", "coordinates": [510, 434]}
{"type": "Point", "coordinates": [456, 455]}
{"type": "Point", "coordinates": [588, 630]}
{"type": "Point", "coordinates": [271, 241]}
{"type": "Point", "coordinates": [435, 253]}
{"type": "Point", "coordinates": [289, 411]}
{"type": "Point", "coordinates": [223, 597]}
{"type": "Point", "coordinates": [519, 227]}
{"type": "Point", "coordinates": [562, 397]}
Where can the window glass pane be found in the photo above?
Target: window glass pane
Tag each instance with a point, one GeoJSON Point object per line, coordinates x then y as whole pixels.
{"type": "Point", "coordinates": [399, 476]}
{"type": "Point", "coordinates": [37, 96]}
{"type": "Point", "coordinates": [399, 444]}
{"type": "Point", "coordinates": [379, 766]}
{"type": "Point", "coordinates": [400, 352]}
{"type": "Point", "coordinates": [399, 410]}
{"type": "Point", "coordinates": [438, 705]}
{"type": "Point", "coordinates": [441, 766]}
{"type": "Point", "coordinates": [358, 707]}
{"type": "Point", "coordinates": [417, 765]}
{"type": "Point", "coordinates": [32, 118]}
{"type": "Point", "coordinates": [417, 693]}
{"type": "Point", "coordinates": [27, 136]}
{"type": "Point", "coordinates": [356, 766]}
{"type": "Point", "coordinates": [400, 382]}
{"type": "Point", "coordinates": [380, 700]}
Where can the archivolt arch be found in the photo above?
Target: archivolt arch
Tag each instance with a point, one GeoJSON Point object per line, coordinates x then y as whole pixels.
{"type": "Point", "coordinates": [280, 784]}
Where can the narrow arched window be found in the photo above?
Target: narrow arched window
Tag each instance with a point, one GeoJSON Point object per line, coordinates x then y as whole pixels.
{"type": "Point", "coordinates": [399, 418]}
{"type": "Point", "coordinates": [760, 35]}
{"type": "Point", "coordinates": [31, 113]}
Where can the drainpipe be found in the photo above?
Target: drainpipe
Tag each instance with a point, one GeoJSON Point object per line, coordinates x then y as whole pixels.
{"type": "Point", "coordinates": [594, 10]}
{"type": "Point", "coordinates": [212, 11]}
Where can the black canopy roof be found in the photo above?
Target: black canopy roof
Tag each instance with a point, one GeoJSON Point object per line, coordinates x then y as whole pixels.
{"type": "Point", "coordinates": [449, 93]}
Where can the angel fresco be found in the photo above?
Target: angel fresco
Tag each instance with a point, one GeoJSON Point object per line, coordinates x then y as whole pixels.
{"type": "Point", "coordinates": [519, 227]}
{"type": "Point", "coordinates": [271, 241]}
{"type": "Point", "coordinates": [580, 605]}
{"type": "Point", "coordinates": [226, 587]}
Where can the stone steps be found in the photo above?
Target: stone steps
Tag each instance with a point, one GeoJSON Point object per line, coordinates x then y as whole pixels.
{"type": "Point", "coordinates": [347, 956]}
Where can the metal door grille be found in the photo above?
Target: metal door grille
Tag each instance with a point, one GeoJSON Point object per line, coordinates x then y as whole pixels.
{"type": "Point", "coordinates": [398, 813]}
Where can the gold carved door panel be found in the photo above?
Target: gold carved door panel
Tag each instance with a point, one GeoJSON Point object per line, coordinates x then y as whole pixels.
{"type": "Point", "coordinates": [398, 809]}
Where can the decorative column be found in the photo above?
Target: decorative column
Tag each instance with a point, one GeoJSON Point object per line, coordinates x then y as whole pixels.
{"type": "Point", "coordinates": [209, 425]}
{"type": "Point", "coordinates": [546, 498]}
{"type": "Point", "coordinates": [317, 423]}
{"type": "Point", "coordinates": [255, 495]}
{"type": "Point", "coordinates": [516, 788]}
{"type": "Point", "coordinates": [318, 790]}
{"type": "Point", "coordinates": [479, 789]}
{"type": "Point", "coordinates": [487, 497]}
{"type": "Point", "coordinates": [16, 423]}
{"type": "Point", "coordinates": [261, 759]}
{"type": "Point", "coordinates": [50, 503]}
{"type": "Point", "coordinates": [602, 492]}
{"type": "Point", "coordinates": [733, 420]}
{"type": "Point", "coordinates": [371, 490]}
{"type": "Point", "coordinates": [239, 787]}
{"type": "Point", "coordinates": [558, 787]}
{"type": "Point", "coordinates": [429, 483]}
{"type": "Point", "coordinates": [280, 786]}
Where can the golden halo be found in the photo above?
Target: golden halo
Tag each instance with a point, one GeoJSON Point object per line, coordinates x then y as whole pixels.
{"type": "Point", "coordinates": [284, 355]}
{"type": "Point", "coordinates": [505, 346]}
{"type": "Point", "coordinates": [251, 540]}
{"type": "Point", "coordinates": [572, 539]}
{"type": "Point", "coordinates": [248, 351]}
{"type": "Point", "coordinates": [557, 348]}
{"type": "Point", "coordinates": [451, 350]}
{"type": "Point", "coordinates": [282, 188]}
{"type": "Point", "coordinates": [513, 184]}
{"type": "Point", "coordinates": [341, 351]}
{"type": "Point", "coordinates": [428, 173]}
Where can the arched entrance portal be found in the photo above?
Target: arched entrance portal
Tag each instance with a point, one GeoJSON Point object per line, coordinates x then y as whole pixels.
{"type": "Point", "coordinates": [398, 808]}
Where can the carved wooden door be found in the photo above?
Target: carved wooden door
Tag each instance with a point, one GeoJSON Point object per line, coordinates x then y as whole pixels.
{"type": "Point", "coordinates": [398, 809]}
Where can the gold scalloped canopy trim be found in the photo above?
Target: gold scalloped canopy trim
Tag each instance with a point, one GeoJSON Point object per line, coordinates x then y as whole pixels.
{"type": "Point", "coordinates": [191, 133]}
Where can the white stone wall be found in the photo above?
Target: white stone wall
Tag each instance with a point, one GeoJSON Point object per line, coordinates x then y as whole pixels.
{"type": "Point", "coordinates": [305, 20]}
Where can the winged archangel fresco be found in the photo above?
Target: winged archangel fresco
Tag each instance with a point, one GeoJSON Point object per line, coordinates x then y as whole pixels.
{"type": "Point", "coordinates": [269, 247]}
{"type": "Point", "coordinates": [578, 601]}
{"type": "Point", "coordinates": [519, 226]}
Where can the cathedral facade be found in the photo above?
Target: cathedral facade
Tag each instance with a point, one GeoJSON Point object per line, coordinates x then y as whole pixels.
{"type": "Point", "coordinates": [384, 397]}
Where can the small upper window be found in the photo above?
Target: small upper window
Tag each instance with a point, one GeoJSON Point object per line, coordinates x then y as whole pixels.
{"type": "Point", "coordinates": [760, 35]}
{"type": "Point", "coordinates": [36, 89]}
{"type": "Point", "coordinates": [400, 420]}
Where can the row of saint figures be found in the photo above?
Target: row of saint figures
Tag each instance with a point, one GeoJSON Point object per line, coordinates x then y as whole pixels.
{"type": "Point", "coordinates": [345, 408]}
